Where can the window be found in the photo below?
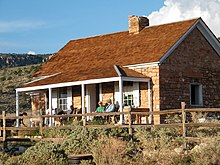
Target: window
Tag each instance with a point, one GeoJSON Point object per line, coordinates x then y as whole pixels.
{"type": "Point", "coordinates": [196, 94]}
{"type": "Point", "coordinates": [128, 99]}
{"type": "Point", "coordinates": [130, 93]}
{"type": "Point", "coordinates": [62, 100]}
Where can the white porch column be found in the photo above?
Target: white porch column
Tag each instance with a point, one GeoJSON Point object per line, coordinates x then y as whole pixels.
{"type": "Point", "coordinates": [50, 106]}
{"type": "Point", "coordinates": [136, 94]}
{"type": "Point", "coordinates": [121, 100]}
{"type": "Point", "coordinates": [17, 109]}
{"type": "Point", "coordinates": [69, 97]}
{"type": "Point", "coordinates": [149, 102]}
{"type": "Point", "coordinates": [83, 98]}
{"type": "Point", "coordinates": [45, 104]}
{"type": "Point", "coordinates": [88, 102]}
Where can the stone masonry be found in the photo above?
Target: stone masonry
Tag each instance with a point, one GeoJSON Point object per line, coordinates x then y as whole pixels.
{"type": "Point", "coordinates": [193, 61]}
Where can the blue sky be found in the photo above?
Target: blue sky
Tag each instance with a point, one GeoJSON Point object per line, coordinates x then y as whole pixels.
{"type": "Point", "coordinates": [45, 26]}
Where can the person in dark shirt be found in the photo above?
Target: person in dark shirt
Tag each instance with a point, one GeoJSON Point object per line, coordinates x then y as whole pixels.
{"type": "Point", "coordinates": [72, 110]}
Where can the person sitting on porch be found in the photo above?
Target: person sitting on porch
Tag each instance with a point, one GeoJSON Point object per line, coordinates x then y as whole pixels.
{"type": "Point", "coordinates": [100, 108]}
{"type": "Point", "coordinates": [24, 121]}
{"type": "Point", "coordinates": [72, 110]}
{"type": "Point", "coordinates": [110, 107]}
{"type": "Point", "coordinates": [61, 118]}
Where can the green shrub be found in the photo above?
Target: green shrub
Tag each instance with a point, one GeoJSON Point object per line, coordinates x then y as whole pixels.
{"type": "Point", "coordinates": [11, 86]}
{"type": "Point", "coordinates": [43, 153]}
{"type": "Point", "coordinates": [118, 132]}
{"type": "Point", "coordinates": [56, 133]}
{"type": "Point", "coordinates": [2, 78]}
{"type": "Point", "coordinates": [35, 68]}
{"type": "Point", "coordinates": [3, 158]}
{"type": "Point", "coordinates": [9, 78]}
{"type": "Point", "coordinates": [81, 140]}
{"type": "Point", "coordinates": [15, 72]}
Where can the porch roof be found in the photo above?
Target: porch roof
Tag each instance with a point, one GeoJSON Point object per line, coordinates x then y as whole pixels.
{"type": "Point", "coordinates": [83, 75]}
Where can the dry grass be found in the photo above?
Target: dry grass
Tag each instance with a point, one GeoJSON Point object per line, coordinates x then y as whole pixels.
{"type": "Point", "coordinates": [109, 150]}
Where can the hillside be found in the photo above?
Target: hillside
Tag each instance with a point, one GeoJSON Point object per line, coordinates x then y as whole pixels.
{"type": "Point", "coordinates": [16, 69]}
{"type": "Point", "coordinates": [14, 60]}
{"type": "Point", "coordinates": [10, 78]}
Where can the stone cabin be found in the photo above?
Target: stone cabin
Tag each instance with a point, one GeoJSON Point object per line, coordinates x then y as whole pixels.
{"type": "Point", "coordinates": [154, 67]}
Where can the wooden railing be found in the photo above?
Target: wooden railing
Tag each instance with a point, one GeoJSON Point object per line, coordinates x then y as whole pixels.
{"type": "Point", "coordinates": [130, 125]}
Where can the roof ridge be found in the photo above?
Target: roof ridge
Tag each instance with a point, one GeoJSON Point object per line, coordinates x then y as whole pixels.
{"type": "Point", "coordinates": [113, 33]}
{"type": "Point", "coordinates": [168, 23]}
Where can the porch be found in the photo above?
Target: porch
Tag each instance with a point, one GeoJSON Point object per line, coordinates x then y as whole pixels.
{"type": "Point", "coordinates": [129, 88]}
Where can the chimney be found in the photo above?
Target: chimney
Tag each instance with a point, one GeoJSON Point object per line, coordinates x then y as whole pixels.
{"type": "Point", "coordinates": [136, 23]}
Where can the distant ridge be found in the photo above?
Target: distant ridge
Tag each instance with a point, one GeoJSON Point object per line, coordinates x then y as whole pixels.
{"type": "Point", "coordinates": [8, 60]}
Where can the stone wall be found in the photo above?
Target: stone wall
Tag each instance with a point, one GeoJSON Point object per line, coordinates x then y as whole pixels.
{"type": "Point", "coordinates": [153, 73]}
{"type": "Point", "coordinates": [144, 95]}
{"type": "Point", "coordinates": [107, 91]}
{"type": "Point", "coordinates": [77, 102]}
{"type": "Point", "coordinates": [194, 61]}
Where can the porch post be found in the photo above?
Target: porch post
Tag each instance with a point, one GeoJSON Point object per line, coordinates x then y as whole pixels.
{"type": "Point", "coordinates": [50, 106]}
{"type": "Point", "coordinates": [17, 108]}
{"type": "Point", "coordinates": [88, 103]}
{"type": "Point", "coordinates": [83, 99]}
{"type": "Point", "coordinates": [121, 100]}
{"type": "Point", "coordinates": [45, 102]}
{"type": "Point", "coordinates": [149, 102]}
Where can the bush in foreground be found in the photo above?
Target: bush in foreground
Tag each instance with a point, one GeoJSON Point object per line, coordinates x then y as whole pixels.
{"type": "Point", "coordinates": [40, 154]}
{"type": "Point", "coordinates": [112, 146]}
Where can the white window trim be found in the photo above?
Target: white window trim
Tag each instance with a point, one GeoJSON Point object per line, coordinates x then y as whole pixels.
{"type": "Point", "coordinates": [134, 91]}
{"type": "Point", "coordinates": [62, 98]}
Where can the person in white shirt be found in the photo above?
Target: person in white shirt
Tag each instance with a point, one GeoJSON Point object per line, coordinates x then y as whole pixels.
{"type": "Point", "coordinates": [110, 107]}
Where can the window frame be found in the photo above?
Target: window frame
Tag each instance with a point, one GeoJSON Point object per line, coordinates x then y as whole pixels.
{"type": "Point", "coordinates": [127, 94]}
{"type": "Point", "coordinates": [199, 93]}
{"type": "Point", "coordinates": [62, 99]}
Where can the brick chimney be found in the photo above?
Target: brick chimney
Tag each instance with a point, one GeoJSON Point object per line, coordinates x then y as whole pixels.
{"type": "Point", "coordinates": [136, 23]}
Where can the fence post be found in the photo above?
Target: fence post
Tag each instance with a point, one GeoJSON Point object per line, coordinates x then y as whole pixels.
{"type": "Point", "coordinates": [130, 123]}
{"type": "Point", "coordinates": [41, 124]}
{"type": "Point", "coordinates": [3, 125]}
{"type": "Point", "coordinates": [183, 104]}
{"type": "Point", "coordinates": [84, 120]}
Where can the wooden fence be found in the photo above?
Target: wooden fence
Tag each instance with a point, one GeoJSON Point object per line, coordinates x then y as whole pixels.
{"type": "Point", "coordinates": [130, 125]}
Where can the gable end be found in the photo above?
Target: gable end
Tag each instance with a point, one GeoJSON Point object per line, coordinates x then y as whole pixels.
{"type": "Point", "coordinates": [206, 32]}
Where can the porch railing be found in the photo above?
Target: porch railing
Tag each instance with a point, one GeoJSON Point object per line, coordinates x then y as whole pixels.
{"type": "Point", "coordinates": [131, 114]}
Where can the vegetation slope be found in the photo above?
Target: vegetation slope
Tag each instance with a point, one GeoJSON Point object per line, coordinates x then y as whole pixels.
{"type": "Point", "coordinates": [10, 79]}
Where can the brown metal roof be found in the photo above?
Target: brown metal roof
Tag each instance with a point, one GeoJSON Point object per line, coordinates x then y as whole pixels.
{"type": "Point", "coordinates": [94, 57]}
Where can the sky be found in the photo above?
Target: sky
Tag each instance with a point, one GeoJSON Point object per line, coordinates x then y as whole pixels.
{"type": "Point", "coordinates": [45, 26]}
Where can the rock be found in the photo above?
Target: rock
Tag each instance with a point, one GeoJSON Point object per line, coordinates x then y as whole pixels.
{"type": "Point", "coordinates": [199, 147]}
{"type": "Point", "coordinates": [179, 150]}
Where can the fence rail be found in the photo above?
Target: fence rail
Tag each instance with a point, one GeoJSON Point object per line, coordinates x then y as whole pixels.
{"type": "Point", "coordinates": [130, 116]}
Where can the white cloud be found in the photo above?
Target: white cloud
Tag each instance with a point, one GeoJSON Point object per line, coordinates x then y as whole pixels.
{"type": "Point", "coordinates": [10, 26]}
{"type": "Point", "coordinates": [31, 52]}
{"type": "Point", "coordinates": [176, 10]}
